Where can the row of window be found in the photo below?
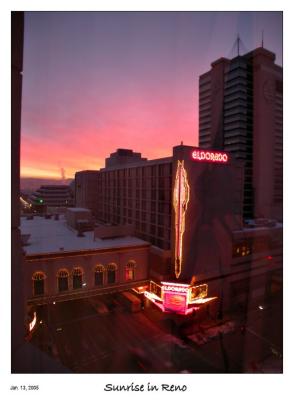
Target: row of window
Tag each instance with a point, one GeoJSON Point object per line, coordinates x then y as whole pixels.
{"type": "Point", "coordinates": [154, 170]}
{"type": "Point", "coordinates": [103, 275]}
{"type": "Point", "coordinates": [247, 247]}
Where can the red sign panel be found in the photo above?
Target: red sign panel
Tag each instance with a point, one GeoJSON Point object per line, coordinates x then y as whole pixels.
{"type": "Point", "coordinates": [210, 156]}
{"type": "Point", "coordinates": [175, 297]}
{"type": "Point", "coordinates": [175, 302]}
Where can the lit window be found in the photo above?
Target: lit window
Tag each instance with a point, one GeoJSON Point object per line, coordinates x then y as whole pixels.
{"type": "Point", "coordinates": [130, 270]}
{"type": "Point", "coordinates": [129, 274]}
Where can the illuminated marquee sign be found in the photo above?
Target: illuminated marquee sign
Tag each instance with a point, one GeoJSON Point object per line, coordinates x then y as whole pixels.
{"type": "Point", "coordinates": [180, 201]}
{"type": "Point", "coordinates": [210, 156]}
{"type": "Point", "coordinates": [179, 298]}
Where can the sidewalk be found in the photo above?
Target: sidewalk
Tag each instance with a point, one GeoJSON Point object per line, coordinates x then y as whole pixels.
{"type": "Point", "coordinates": [211, 329]}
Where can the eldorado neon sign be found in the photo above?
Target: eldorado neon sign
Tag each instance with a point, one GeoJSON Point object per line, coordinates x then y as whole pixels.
{"type": "Point", "coordinates": [180, 202]}
{"type": "Point", "coordinates": [175, 289]}
{"type": "Point", "coordinates": [210, 156]}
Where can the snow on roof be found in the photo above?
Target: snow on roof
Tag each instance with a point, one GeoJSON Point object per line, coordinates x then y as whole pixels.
{"type": "Point", "coordinates": [51, 236]}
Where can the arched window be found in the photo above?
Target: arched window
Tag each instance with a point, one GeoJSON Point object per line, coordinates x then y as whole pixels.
{"type": "Point", "coordinates": [130, 270]}
{"type": "Point", "coordinates": [77, 278]}
{"type": "Point", "coordinates": [38, 283]}
{"type": "Point", "coordinates": [62, 277]}
{"type": "Point", "coordinates": [99, 274]}
{"type": "Point", "coordinates": [111, 272]}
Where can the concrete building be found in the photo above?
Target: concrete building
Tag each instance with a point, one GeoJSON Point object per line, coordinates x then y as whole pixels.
{"type": "Point", "coordinates": [241, 111]}
{"type": "Point", "coordinates": [206, 237]}
{"type": "Point", "coordinates": [123, 156]}
{"type": "Point", "coordinates": [61, 265]}
{"type": "Point", "coordinates": [79, 218]}
{"type": "Point", "coordinates": [53, 196]}
{"type": "Point", "coordinates": [140, 194]}
{"type": "Point", "coordinates": [86, 190]}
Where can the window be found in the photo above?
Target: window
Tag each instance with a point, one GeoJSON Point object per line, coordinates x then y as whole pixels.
{"type": "Point", "coordinates": [130, 270]}
{"type": "Point", "coordinates": [129, 274]}
{"type": "Point", "coordinates": [152, 229]}
{"type": "Point", "coordinates": [99, 273]}
{"type": "Point", "coordinates": [38, 283]}
{"type": "Point", "coordinates": [77, 278]}
{"type": "Point", "coordinates": [111, 273]}
{"type": "Point", "coordinates": [160, 231]}
{"type": "Point", "coordinates": [242, 249]}
{"type": "Point", "coordinates": [62, 277]}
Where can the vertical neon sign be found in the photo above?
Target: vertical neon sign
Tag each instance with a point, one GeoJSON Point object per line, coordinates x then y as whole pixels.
{"type": "Point", "coordinates": [180, 202]}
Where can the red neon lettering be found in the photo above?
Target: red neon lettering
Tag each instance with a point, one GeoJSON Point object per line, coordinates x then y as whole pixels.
{"type": "Point", "coordinates": [210, 156]}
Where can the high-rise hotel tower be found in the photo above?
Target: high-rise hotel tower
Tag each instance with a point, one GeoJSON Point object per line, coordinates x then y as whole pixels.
{"type": "Point", "coordinates": [240, 111]}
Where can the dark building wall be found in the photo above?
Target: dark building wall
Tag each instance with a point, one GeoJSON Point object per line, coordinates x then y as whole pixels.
{"type": "Point", "coordinates": [123, 156]}
{"type": "Point", "coordinates": [86, 190]}
{"type": "Point", "coordinates": [17, 298]}
{"type": "Point", "coordinates": [240, 111]}
{"type": "Point", "coordinates": [267, 155]}
{"type": "Point", "coordinates": [213, 212]}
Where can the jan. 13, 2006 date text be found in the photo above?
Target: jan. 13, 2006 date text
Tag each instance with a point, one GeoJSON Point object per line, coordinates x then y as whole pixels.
{"type": "Point", "coordinates": [24, 387]}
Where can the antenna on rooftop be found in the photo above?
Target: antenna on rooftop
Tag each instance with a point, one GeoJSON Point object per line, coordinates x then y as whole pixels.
{"type": "Point", "coordinates": [62, 171]}
{"type": "Point", "coordinates": [238, 44]}
{"type": "Point", "coordinates": [262, 39]}
{"type": "Point", "coordinates": [238, 47]}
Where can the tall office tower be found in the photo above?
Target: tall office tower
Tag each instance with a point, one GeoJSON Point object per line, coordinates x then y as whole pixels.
{"type": "Point", "coordinates": [240, 111]}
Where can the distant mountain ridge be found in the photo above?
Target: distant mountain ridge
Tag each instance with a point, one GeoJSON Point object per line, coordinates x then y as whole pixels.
{"type": "Point", "coordinates": [31, 184]}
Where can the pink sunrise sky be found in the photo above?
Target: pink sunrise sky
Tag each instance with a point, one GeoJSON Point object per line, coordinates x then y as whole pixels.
{"type": "Point", "coordinates": [95, 82]}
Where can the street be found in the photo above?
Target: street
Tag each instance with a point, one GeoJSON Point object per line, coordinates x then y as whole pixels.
{"type": "Point", "coordinates": [117, 341]}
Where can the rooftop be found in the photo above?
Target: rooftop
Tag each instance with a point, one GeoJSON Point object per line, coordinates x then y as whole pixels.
{"type": "Point", "coordinates": [52, 236]}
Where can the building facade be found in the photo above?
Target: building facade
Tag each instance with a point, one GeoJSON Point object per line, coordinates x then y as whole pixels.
{"type": "Point", "coordinates": [241, 111]}
{"type": "Point", "coordinates": [189, 208]}
{"type": "Point", "coordinates": [86, 190]}
{"type": "Point", "coordinates": [53, 196]}
{"type": "Point", "coordinates": [60, 265]}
